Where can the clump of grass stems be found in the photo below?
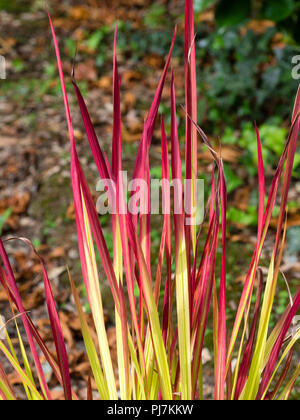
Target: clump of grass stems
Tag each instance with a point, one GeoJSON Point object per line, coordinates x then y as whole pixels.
{"type": "Point", "coordinates": [159, 358]}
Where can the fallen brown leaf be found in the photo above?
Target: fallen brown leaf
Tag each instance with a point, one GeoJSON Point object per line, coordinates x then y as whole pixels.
{"type": "Point", "coordinates": [71, 212]}
{"type": "Point", "coordinates": [242, 198]}
{"type": "Point", "coordinates": [257, 26]}
{"type": "Point", "coordinates": [105, 83]}
{"type": "Point", "coordinates": [228, 154]}
{"type": "Point", "coordinates": [58, 252]}
{"type": "Point", "coordinates": [86, 71]}
{"type": "Point", "coordinates": [79, 12]}
{"type": "Point", "coordinates": [208, 16]}
{"type": "Point", "coordinates": [129, 100]}
{"type": "Point", "coordinates": [127, 137]}
{"type": "Point", "coordinates": [130, 77]}
{"type": "Point", "coordinates": [154, 60]}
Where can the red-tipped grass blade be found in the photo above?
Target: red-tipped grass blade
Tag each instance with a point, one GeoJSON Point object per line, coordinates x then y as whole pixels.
{"type": "Point", "coordinates": [248, 287]}
{"type": "Point", "coordinates": [167, 226]}
{"type": "Point", "coordinates": [87, 222]}
{"type": "Point", "coordinates": [35, 334]}
{"type": "Point", "coordinates": [55, 327]}
{"type": "Point", "coordinates": [222, 330]}
{"type": "Point", "coordinates": [118, 220]}
{"type": "Point", "coordinates": [181, 261]}
{"type": "Point", "coordinates": [261, 185]}
{"type": "Point", "coordinates": [141, 170]}
{"type": "Point", "coordinates": [191, 108]}
{"type": "Point", "coordinates": [245, 364]}
{"type": "Point", "coordinates": [11, 283]}
{"type": "Point", "coordinates": [278, 345]}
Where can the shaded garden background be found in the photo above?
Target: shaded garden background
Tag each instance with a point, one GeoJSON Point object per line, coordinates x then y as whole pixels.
{"type": "Point", "coordinates": [244, 54]}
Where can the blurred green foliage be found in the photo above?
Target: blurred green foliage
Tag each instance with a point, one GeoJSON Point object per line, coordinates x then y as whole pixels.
{"type": "Point", "coordinates": [285, 13]}
{"type": "Point", "coordinates": [15, 6]}
{"type": "Point", "coordinates": [272, 136]}
{"type": "Point", "coordinates": [231, 12]}
{"type": "Point", "coordinates": [201, 5]}
{"type": "Point", "coordinates": [279, 10]}
{"type": "Point", "coordinates": [156, 15]}
{"type": "Point", "coordinates": [246, 79]}
{"type": "Point", "coordinates": [21, 6]}
{"type": "Point", "coordinates": [240, 78]}
{"type": "Point", "coordinates": [3, 218]}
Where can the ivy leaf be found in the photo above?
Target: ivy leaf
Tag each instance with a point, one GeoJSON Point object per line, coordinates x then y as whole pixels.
{"type": "Point", "coordinates": [278, 10]}
{"type": "Point", "coordinates": [240, 217]}
{"type": "Point", "coordinates": [232, 180]}
{"type": "Point", "coordinates": [201, 5]}
{"type": "Point", "coordinates": [232, 12]}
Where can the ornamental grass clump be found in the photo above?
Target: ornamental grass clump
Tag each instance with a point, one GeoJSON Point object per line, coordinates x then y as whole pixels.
{"type": "Point", "coordinates": [159, 353]}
